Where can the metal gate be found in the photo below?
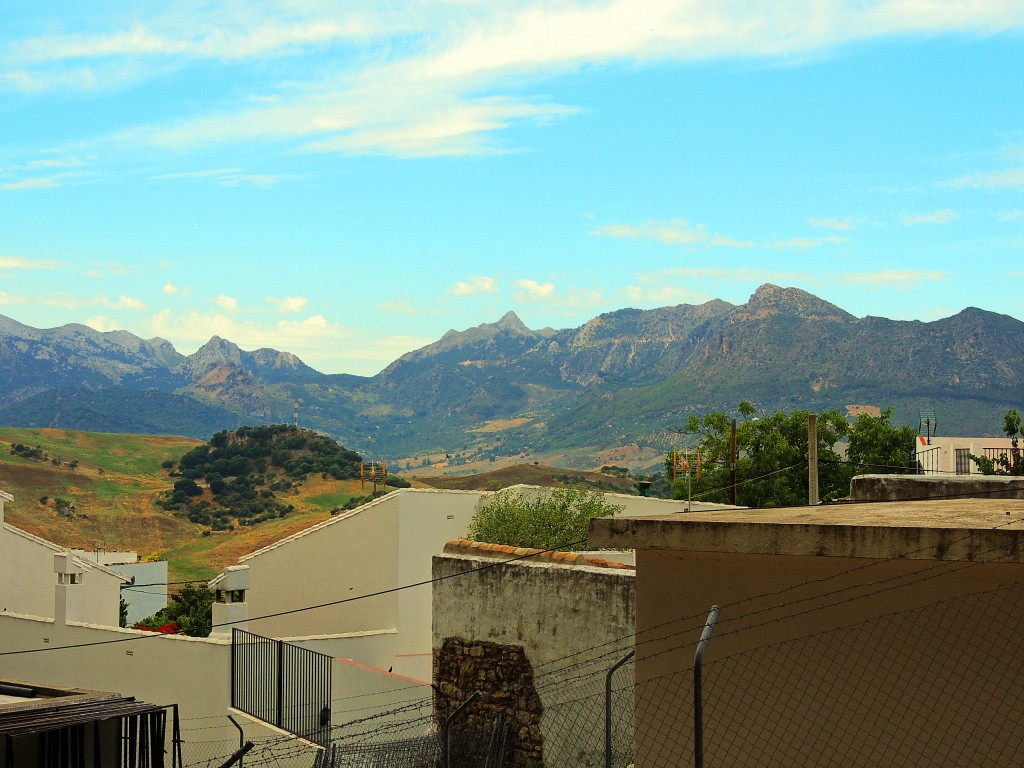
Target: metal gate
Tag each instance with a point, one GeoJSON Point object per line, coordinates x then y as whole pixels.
{"type": "Point", "coordinates": [283, 684]}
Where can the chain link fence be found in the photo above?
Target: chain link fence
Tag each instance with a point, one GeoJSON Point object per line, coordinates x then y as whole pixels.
{"type": "Point", "coordinates": [941, 684]}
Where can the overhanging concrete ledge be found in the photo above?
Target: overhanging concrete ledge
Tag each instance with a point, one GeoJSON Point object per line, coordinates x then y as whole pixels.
{"type": "Point", "coordinates": [948, 529]}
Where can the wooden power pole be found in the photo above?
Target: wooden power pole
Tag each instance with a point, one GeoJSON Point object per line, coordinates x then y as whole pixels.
{"type": "Point", "coordinates": [732, 465]}
{"type": "Point", "coordinates": [812, 459]}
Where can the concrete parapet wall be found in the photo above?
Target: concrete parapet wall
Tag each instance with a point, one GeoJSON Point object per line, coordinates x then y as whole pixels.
{"type": "Point", "coordinates": [920, 487]}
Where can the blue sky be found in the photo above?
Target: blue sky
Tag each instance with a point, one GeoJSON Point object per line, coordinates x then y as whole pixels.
{"type": "Point", "coordinates": [347, 181]}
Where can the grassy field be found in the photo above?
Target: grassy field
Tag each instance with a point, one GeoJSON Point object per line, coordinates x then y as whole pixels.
{"type": "Point", "coordinates": [113, 488]}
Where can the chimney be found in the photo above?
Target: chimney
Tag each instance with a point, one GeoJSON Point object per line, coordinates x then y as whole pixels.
{"type": "Point", "coordinates": [4, 497]}
{"type": "Point", "coordinates": [69, 579]}
{"type": "Point", "coordinates": [231, 608]}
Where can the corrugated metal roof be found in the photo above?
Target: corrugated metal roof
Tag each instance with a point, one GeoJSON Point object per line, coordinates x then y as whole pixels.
{"type": "Point", "coordinates": [39, 717]}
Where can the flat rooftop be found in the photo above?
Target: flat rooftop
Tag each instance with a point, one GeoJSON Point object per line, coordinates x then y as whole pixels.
{"type": "Point", "coordinates": [938, 529]}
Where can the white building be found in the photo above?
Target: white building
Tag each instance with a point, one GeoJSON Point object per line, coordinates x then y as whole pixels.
{"type": "Point", "coordinates": [27, 578]}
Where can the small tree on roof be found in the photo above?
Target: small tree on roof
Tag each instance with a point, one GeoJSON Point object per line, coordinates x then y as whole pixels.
{"type": "Point", "coordinates": [552, 520]}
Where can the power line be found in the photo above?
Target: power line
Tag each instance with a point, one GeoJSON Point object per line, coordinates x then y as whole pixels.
{"type": "Point", "coordinates": [291, 611]}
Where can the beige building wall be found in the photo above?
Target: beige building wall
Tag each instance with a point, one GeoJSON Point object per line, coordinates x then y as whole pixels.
{"type": "Point", "coordinates": [860, 635]}
{"type": "Point", "coordinates": [939, 456]}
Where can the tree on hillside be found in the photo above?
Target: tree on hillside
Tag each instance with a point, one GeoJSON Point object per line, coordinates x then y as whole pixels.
{"type": "Point", "coordinates": [556, 519]}
{"type": "Point", "coordinates": [1009, 463]}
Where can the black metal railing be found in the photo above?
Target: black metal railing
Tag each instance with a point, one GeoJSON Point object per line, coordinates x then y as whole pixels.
{"type": "Point", "coordinates": [283, 684]}
{"type": "Point", "coordinates": [927, 462]}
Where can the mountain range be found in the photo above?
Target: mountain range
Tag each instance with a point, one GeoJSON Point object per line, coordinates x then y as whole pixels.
{"type": "Point", "coordinates": [625, 377]}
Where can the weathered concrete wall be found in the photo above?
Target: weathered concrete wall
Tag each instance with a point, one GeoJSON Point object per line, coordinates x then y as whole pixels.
{"type": "Point", "coordinates": [560, 608]}
{"type": "Point", "coordinates": [914, 487]}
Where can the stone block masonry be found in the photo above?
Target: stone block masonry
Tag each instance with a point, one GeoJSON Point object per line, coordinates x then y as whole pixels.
{"type": "Point", "coordinates": [504, 675]}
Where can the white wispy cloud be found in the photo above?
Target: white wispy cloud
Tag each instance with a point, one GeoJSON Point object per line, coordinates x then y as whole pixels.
{"type": "Point", "coordinates": [19, 262]}
{"type": "Point", "coordinates": [102, 323]}
{"type": "Point", "coordinates": [900, 279]}
{"type": "Point", "coordinates": [567, 297]}
{"type": "Point", "coordinates": [943, 216]}
{"type": "Point", "coordinates": [1014, 215]}
{"type": "Point", "coordinates": [290, 305]}
{"type": "Point", "coordinates": [803, 243]}
{"type": "Point", "coordinates": [1005, 178]}
{"type": "Point", "coordinates": [428, 79]}
{"type": "Point", "coordinates": [663, 295]}
{"type": "Point", "coordinates": [825, 222]}
{"type": "Point", "coordinates": [170, 289]}
{"type": "Point", "coordinates": [38, 182]}
{"type": "Point", "coordinates": [473, 285]}
{"type": "Point", "coordinates": [672, 232]}
{"type": "Point", "coordinates": [123, 302]}
{"type": "Point", "coordinates": [534, 290]}
{"type": "Point", "coordinates": [228, 177]}
{"type": "Point", "coordinates": [681, 232]}
{"type": "Point", "coordinates": [227, 303]}
{"type": "Point", "coordinates": [70, 301]}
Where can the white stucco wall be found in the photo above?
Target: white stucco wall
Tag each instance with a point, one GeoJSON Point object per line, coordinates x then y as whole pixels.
{"type": "Point", "coordinates": [195, 673]}
{"type": "Point", "coordinates": [350, 555]}
{"type": "Point", "coordinates": [27, 581]}
{"type": "Point", "coordinates": [361, 691]}
{"type": "Point", "coordinates": [379, 546]}
{"type": "Point", "coordinates": [428, 520]}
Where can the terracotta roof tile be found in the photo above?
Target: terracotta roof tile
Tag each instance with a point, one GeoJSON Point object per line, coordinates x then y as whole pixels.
{"type": "Point", "coordinates": [505, 552]}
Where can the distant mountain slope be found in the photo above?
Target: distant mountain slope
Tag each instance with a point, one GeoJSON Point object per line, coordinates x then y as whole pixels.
{"type": "Point", "coordinates": [118, 409]}
{"type": "Point", "coordinates": [629, 376]}
{"type": "Point", "coordinates": [34, 360]}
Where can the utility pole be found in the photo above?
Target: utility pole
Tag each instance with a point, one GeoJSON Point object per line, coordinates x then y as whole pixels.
{"type": "Point", "coordinates": [732, 465]}
{"type": "Point", "coordinates": [812, 459]}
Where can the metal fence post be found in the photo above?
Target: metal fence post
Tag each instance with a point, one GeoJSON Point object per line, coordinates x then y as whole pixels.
{"type": "Point", "coordinates": [280, 682]}
{"type": "Point", "coordinates": [698, 709]}
{"type": "Point", "coordinates": [448, 727]}
{"type": "Point", "coordinates": [608, 707]}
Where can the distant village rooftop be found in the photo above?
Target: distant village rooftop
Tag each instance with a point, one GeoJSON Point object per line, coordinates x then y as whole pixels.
{"type": "Point", "coordinates": [940, 529]}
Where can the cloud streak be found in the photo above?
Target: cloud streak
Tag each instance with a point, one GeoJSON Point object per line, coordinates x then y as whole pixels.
{"type": "Point", "coordinates": [474, 285]}
{"type": "Point", "coordinates": [423, 79]}
{"type": "Point", "coordinates": [681, 232]}
{"type": "Point", "coordinates": [944, 216]}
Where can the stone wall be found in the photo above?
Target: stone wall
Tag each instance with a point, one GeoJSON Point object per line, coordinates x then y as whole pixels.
{"type": "Point", "coordinates": [569, 616]}
{"type": "Point", "coordinates": [504, 677]}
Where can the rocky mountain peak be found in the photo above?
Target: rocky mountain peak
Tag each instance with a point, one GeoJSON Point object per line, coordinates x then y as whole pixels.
{"type": "Point", "coordinates": [510, 322]}
{"type": "Point", "coordinates": [771, 299]}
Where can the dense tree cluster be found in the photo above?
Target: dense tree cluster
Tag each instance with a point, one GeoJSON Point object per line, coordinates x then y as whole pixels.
{"type": "Point", "coordinates": [245, 470]}
{"type": "Point", "coordinates": [772, 450]}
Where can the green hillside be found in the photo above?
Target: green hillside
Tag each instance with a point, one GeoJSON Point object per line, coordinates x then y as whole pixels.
{"type": "Point", "coordinates": [99, 490]}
